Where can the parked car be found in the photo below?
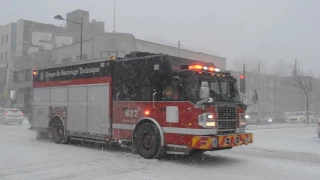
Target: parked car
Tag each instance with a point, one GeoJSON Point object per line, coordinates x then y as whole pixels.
{"type": "Point", "coordinates": [277, 116]}
{"type": "Point", "coordinates": [267, 119]}
{"type": "Point", "coordinates": [301, 117]}
{"type": "Point", "coordinates": [287, 115]}
{"type": "Point", "coordinates": [253, 117]}
{"type": "Point", "coordinates": [11, 115]}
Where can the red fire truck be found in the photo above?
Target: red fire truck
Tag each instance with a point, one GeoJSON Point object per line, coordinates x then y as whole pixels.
{"type": "Point", "coordinates": [157, 103]}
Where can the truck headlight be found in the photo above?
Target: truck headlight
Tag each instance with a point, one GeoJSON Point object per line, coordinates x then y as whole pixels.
{"type": "Point", "coordinates": [243, 120]}
{"type": "Point", "coordinates": [207, 120]}
{"type": "Point", "coordinates": [270, 120]}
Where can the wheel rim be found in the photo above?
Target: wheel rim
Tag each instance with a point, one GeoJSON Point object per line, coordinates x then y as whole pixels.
{"type": "Point", "coordinates": [57, 129]}
{"type": "Point", "coordinates": [147, 141]}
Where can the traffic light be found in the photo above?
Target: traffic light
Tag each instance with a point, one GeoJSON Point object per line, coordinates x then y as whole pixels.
{"type": "Point", "coordinates": [242, 84]}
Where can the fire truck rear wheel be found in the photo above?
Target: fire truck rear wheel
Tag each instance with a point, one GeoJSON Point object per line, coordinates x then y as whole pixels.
{"type": "Point", "coordinates": [147, 140]}
{"type": "Point", "coordinates": [57, 131]}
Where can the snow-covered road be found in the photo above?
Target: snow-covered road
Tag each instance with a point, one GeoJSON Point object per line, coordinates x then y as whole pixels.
{"type": "Point", "coordinates": [277, 153]}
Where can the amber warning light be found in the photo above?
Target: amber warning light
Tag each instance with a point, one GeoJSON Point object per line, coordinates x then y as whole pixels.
{"type": "Point", "coordinates": [35, 73]}
{"type": "Point", "coordinates": [201, 67]}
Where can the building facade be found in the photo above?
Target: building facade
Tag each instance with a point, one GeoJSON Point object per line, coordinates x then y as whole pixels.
{"type": "Point", "coordinates": [99, 46]}
{"type": "Point", "coordinates": [277, 94]}
{"type": "Point", "coordinates": [27, 37]}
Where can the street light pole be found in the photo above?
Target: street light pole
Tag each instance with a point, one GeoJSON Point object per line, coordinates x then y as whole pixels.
{"type": "Point", "coordinates": [58, 17]}
{"type": "Point", "coordinates": [81, 24]}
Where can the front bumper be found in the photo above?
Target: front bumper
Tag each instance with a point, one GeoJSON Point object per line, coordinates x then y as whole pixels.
{"type": "Point", "coordinates": [221, 141]}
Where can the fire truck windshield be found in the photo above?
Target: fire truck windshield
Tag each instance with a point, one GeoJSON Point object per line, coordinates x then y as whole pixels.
{"type": "Point", "coordinates": [220, 89]}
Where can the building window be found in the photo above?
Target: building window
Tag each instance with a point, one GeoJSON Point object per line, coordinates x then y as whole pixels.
{"type": "Point", "coordinates": [271, 83]}
{"type": "Point", "coordinates": [113, 53]}
{"type": "Point", "coordinates": [6, 56]}
{"type": "Point", "coordinates": [271, 95]}
{"type": "Point", "coordinates": [251, 80]}
{"type": "Point", "coordinates": [271, 107]}
{"type": "Point", "coordinates": [265, 82]}
{"type": "Point", "coordinates": [7, 37]}
{"type": "Point", "coordinates": [2, 40]}
{"type": "Point", "coordinates": [27, 75]}
{"type": "Point", "coordinates": [265, 94]}
{"type": "Point", "coordinates": [84, 57]}
{"type": "Point", "coordinates": [66, 60]}
{"type": "Point", "coordinates": [121, 54]}
{"type": "Point", "coordinates": [280, 95]}
{"type": "Point", "coordinates": [1, 57]}
{"type": "Point", "coordinates": [279, 84]}
{"type": "Point", "coordinates": [18, 76]}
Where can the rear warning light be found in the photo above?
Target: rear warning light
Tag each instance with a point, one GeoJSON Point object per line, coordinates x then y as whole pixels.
{"type": "Point", "coordinates": [21, 114]}
{"type": "Point", "coordinates": [6, 114]}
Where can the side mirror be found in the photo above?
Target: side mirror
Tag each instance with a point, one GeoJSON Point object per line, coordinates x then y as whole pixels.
{"type": "Point", "coordinates": [204, 90]}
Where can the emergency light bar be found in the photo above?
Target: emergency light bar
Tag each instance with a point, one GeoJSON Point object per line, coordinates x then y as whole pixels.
{"type": "Point", "coordinates": [202, 67]}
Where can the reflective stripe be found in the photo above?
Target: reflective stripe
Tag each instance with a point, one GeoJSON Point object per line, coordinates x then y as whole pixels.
{"type": "Point", "coordinates": [123, 126]}
{"type": "Point", "coordinates": [171, 129]}
{"type": "Point", "coordinates": [189, 131]}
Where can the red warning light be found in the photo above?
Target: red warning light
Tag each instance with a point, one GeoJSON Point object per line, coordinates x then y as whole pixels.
{"type": "Point", "coordinates": [241, 76]}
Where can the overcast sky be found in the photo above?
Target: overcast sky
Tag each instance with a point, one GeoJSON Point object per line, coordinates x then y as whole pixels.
{"type": "Point", "coordinates": [268, 30]}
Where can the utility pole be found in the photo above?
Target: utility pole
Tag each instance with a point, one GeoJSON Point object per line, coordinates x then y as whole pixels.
{"type": "Point", "coordinates": [81, 34]}
{"type": "Point", "coordinates": [114, 16]}
{"type": "Point", "coordinates": [258, 86]}
{"type": "Point", "coordinates": [179, 48]}
{"type": "Point", "coordinates": [295, 67]}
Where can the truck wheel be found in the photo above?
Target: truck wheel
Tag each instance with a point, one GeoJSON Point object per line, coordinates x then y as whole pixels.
{"type": "Point", "coordinates": [57, 131]}
{"type": "Point", "coordinates": [147, 140]}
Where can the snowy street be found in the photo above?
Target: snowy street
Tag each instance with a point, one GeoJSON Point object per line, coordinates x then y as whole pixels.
{"type": "Point", "coordinates": [280, 152]}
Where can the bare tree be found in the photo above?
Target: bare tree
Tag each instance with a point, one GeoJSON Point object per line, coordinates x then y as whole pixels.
{"type": "Point", "coordinates": [280, 68]}
{"type": "Point", "coordinates": [251, 64]}
{"type": "Point", "coordinates": [305, 84]}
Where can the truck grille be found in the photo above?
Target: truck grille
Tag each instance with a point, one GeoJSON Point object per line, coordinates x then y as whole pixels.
{"type": "Point", "coordinates": [227, 113]}
{"type": "Point", "coordinates": [227, 125]}
{"type": "Point", "coordinates": [227, 119]}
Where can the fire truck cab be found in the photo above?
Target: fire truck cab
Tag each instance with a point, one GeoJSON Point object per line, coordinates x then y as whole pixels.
{"type": "Point", "coordinates": [157, 103]}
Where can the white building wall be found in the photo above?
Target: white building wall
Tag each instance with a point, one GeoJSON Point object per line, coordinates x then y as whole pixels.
{"type": "Point", "coordinates": [110, 43]}
{"type": "Point", "coordinates": [159, 48]}
{"type": "Point", "coordinates": [5, 51]}
{"type": "Point", "coordinates": [72, 51]}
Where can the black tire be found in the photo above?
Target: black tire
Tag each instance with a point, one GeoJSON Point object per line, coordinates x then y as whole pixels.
{"type": "Point", "coordinates": [57, 131]}
{"type": "Point", "coordinates": [319, 135]}
{"type": "Point", "coordinates": [147, 141]}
